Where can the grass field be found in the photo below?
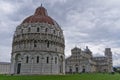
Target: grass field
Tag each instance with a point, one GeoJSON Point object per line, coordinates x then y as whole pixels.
{"type": "Point", "coordinates": [88, 76]}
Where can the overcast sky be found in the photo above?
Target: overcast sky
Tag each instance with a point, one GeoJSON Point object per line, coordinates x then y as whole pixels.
{"type": "Point", "coordinates": [93, 23]}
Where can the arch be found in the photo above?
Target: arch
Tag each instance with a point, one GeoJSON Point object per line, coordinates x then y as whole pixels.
{"type": "Point", "coordinates": [18, 63]}
{"type": "Point", "coordinates": [21, 30]}
{"type": "Point", "coordinates": [35, 43]}
{"type": "Point", "coordinates": [46, 30]}
{"type": "Point", "coordinates": [61, 58]}
{"type": "Point", "coordinates": [37, 59]}
{"type": "Point", "coordinates": [76, 68]}
{"type": "Point", "coordinates": [59, 33]}
{"type": "Point", "coordinates": [17, 57]}
{"type": "Point", "coordinates": [54, 31]}
{"type": "Point", "coordinates": [83, 69]}
{"type": "Point", "coordinates": [29, 29]}
{"type": "Point", "coordinates": [48, 44]}
{"type": "Point", "coordinates": [56, 60]}
{"type": "Point", "coordinates": [18, 68]}
{"type": "Point", "coordinates": [61, 64]}
{"type": "Point", "coordinates": [27, 59]}
{"type": "Point", "coordinates": [38, 29]}
{"type": "Point", "coordinates": [47, 60]}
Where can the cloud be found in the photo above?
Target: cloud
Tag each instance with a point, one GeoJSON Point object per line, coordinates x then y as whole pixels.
{"type": "Point", "coordinates": [116, 59]}
{"type": "Point", "coordinates": [5, 53]}
{"type": "Point", "coordinates": [6, 8]}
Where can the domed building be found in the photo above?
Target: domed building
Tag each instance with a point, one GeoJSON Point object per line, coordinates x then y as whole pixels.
{"type": "Point", "coordinates": [38, 46]}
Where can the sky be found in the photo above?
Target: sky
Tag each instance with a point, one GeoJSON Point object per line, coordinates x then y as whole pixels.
{"type": "Point", "coordinates": [92, 23]}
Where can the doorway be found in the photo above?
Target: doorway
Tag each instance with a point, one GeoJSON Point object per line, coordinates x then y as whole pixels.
{"type": "Point", "coordinates": [77, 69]}
{"type": "Point", "coordinates": [18, 68]}
{"type": "Point", "coordinates": [83, 71]}
{"type": "Point", "coordinates": [61, 64]}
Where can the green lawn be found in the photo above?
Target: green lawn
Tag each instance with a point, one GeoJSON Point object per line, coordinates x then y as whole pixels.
{"type": "Point", "coordinates": [88, 76]}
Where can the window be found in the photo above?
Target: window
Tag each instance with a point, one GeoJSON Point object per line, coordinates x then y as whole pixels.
{"type": "Point", "coordinates": [61, 58]}
{"type": "Point", "coordinates": [54, 31]}
{"type": "Point", "coordinates": [55, 49]}
{"type": "Point", "coordinates": [21, 30]}
{"type": "Point", "coordinates": [46, 29]}
{"type": "Point", "coordinates": [48, 44]}
{"type": "Point", "coordinates": [38, 29]}
{"type": "Point", "coordinates": [55, 60]}
{"type": "Point", "coordinates": [58, 33]}
{"type": "Point", "coordinates": [27, 59]}
{"type": "Point", "coordinates": [37, 59]}
{"type": "Point", "coordinates": [29, 29]}
{"type": "Point", "coordinates": [35, 43]}
{"type": "Point", "coordinates": [47, 61]}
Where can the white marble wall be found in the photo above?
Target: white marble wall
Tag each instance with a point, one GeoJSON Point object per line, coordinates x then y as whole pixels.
{"type": "Point", "coordinates": [4, 68]}
{"type": "Point", "coordinates": [24, 45]}
{"type": "Point", "coordinates": [32, 67]}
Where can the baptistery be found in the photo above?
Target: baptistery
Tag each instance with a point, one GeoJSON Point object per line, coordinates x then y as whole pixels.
{"type": "Point", "coordinates": [38, 45]}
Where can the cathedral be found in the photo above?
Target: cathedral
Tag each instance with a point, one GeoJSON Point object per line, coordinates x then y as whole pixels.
{"type": "Point", "coordinates": [83, 61]}
{"type": "Point", "coordinates": [38, 46]}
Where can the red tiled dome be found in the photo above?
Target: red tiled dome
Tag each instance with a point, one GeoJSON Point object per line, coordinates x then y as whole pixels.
{"type": "Point", "coordinates": [40, 15]}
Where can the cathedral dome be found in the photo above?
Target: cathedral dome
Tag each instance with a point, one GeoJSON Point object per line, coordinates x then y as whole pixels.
{"type": "Point", "coordinates": [40, 15]}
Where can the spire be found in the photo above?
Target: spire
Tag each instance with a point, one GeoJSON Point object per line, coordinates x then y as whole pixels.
{"type": "Point", "coordinates": [41, 4]}
{"type": "Point", "coordinates": [86, 47]}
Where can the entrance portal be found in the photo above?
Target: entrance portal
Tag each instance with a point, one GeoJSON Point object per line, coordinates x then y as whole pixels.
{"type": "Point", "coordinates": [83, 70]}
{"type": "Point", "coordinates": [61, 64]}
{"type": "Point", "coordinates": [77, 70]}
{"type": "Point", "coordinates": [18, 68]}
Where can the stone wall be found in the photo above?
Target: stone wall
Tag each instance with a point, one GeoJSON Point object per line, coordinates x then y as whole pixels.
{"type": "Point", "coordinates": [4, 68]}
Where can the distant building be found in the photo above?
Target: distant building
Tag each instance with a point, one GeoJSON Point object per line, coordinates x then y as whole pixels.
{"type": "Point", "coordinates": [83, 61]}
{"type": "Point", "coordinates": [38, 46]}
{"type": "Point", "coordinates": [4, 68]}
